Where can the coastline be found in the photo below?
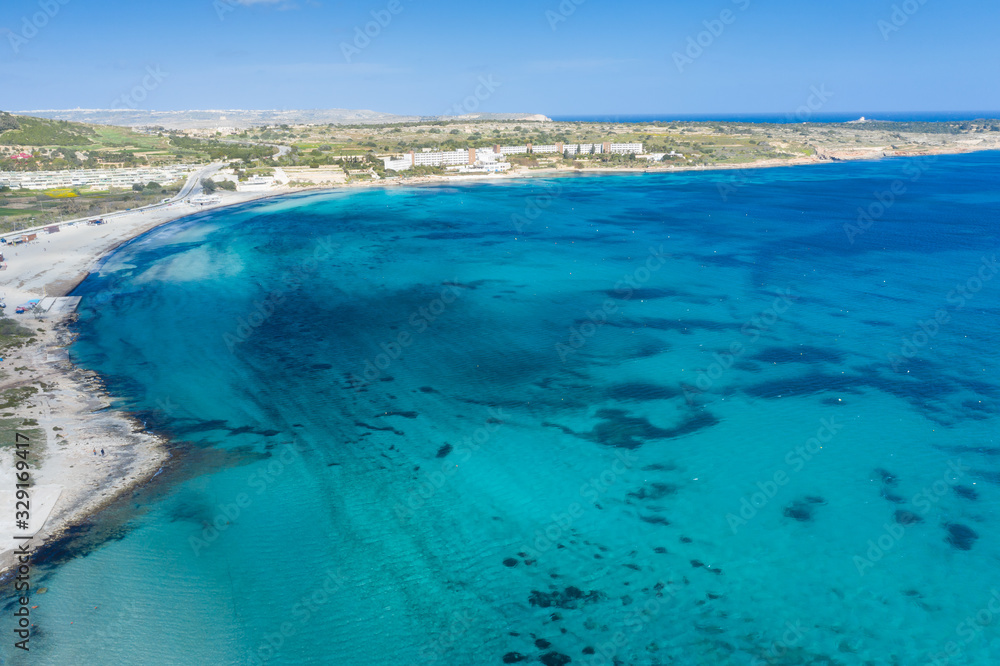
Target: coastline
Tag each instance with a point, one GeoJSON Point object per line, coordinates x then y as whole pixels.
{"type": "Point", "coordinates": [72, 407]}
{"type": "Point", "coordinates": [825, 157]}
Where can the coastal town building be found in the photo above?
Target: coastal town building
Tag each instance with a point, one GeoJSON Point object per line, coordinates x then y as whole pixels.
{"type": "Point", "coordinates": [489, 155]}
{"type": "Point", "coordinates": [583, 149]}
{"type": "Point", "coordinates": [444, 158]}
{"type": "Point", "coordinates": [464, 156]}
{"type": "Point", "coordinates": [470, 160]}
{"type": "Point", "coordinates": [95, 179]}
{"type": "Point", "coordinates": [623, 148]}
{"type": "Point", "coordinates": [572, 149]}
{"type": "Point", "coordinates": [512, 150]}
{"type": "Point", "coordinates": [486, 156]}
{"type": "Point", "coordinates": [398, 163]}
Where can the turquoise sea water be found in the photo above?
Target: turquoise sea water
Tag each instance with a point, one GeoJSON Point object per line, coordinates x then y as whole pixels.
{"type": "Point", "coordinates": [630, 419]}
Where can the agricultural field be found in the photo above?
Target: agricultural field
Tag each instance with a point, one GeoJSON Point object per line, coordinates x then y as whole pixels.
{"type": "Point", "coordinates": [22, 209]}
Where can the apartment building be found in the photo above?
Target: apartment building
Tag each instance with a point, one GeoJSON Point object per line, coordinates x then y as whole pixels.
{"type": "Point", "coordinates": [398, 163]}
{"type": "Point", "coordinates": [483, 156]}
{"type": "Point", "coordinates": [623, 148]}
{"type": "Point", "coordinates": [99, 179]}
{"type": "Point", "coordinates": [444, 158]}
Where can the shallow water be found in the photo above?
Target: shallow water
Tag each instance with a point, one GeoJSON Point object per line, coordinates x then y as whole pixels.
{"type": "Point", "coordinates": [672, 419]}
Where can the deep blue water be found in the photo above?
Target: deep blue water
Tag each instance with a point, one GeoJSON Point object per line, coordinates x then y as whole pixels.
{"type": "Point", "coordinates": [699, 418]}
{"type": "Point", "coordinates": [781, 118]}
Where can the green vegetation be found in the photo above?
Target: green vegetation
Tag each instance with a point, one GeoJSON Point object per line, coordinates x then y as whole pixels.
{"type": "Point", "coordinates": [148, 187]}
{"type": "Point", "coordinates": [30, 208]}
{"type": "Point", "coordinates": [360, 147]}
{"type": "Point", "coordinates": [8, 122]}
{"type": "Point", "coordinates": [12, 335]}
{"type": "Point", "coordinates": [684, 144]}
{"type": "Point", "coordinates": [41, 132]}
{"type": "Point", "coordinates": [974, 126]}
{"type": "Point", "coordinates": [16, 397]}
{"type": "Point", "coordinates": [218, 150]}
{"type": "Point", "coordinates": [59, 144]}
{"type": "Point", "coordinates": [27, 427]}
{"type": "Point", "coordinates": [421, 171]}
{"type": "Point", "coordinates": [211, 186]}
{"type": "Point", "coordinates": [523, 160]}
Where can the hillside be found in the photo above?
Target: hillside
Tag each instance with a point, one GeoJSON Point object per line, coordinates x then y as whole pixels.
{"type": "Point", "coordinates": [243, 119]}
{"type": "Point", "coordinates": [61, 144]}
{"type": "Point", "coordinates": [679, 144]}
{"type": "Point", "coordinates": [27, 131]}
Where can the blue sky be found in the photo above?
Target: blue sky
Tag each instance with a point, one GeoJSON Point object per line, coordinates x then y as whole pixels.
{"type": "Point", "coordinates": [595, 57]}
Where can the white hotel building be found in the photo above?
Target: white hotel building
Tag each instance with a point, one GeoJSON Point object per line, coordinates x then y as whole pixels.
{"type": "Point", "coordinates": [584, 149]}
{"type": "Point", "coordinates": [486, 156]}
{"type": "Point", "coordinates": [512, 150]}
{"type": "Point", "coordinates": [463, 157]}
{"type": "Point", "coordinates": [449, 158]}
{"type": "Point", "coordinates": [624, 148]}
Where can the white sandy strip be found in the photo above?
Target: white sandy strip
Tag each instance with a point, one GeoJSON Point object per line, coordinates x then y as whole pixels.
{"type": "Point", "coordinates": [72, 481]}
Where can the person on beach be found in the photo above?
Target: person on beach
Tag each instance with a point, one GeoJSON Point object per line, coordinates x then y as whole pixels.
{"type": "Point", "coordinates": [102, 452]}
{"type": "Point", "coordinates": [95, 452]}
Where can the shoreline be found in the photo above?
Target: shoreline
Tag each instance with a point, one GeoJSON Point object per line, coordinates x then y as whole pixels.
{"type": "Point", "coordinates": [867, 155]}
{"type": "Point", "coordinates": [72, 483]}
{"type": "Point", "coordinates": [73, 407]}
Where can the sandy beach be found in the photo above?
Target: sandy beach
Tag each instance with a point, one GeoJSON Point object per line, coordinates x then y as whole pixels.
{"type": "Point", "coordinates": [71, 480]}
